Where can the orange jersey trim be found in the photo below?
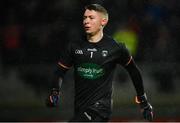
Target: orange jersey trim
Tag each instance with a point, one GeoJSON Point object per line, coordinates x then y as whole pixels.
{"type": "Point", "coordinates": [64, 66]}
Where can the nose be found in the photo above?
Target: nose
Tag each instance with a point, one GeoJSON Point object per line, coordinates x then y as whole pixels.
{"type": "Point", "coordinates": [86, 21]}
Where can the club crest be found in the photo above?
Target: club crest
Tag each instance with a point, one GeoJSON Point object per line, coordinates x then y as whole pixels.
{"type": "Point", "coordinates": [104, 53]}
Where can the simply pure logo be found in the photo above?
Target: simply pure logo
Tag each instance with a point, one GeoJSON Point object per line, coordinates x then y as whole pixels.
{"type": "Point", "coordinates": [90, 71]}
{"type": "Point", "coordinates": [77, 51]}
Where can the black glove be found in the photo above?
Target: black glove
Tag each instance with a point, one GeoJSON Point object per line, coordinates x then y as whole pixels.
{"type": "Point", "coordinates": [53, 98]}
{"type": "Point", "coordinates": [145, 106]}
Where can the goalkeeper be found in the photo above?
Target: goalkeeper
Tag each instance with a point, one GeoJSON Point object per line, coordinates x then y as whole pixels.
{"type": "Point", "coordinates": [94, 58]}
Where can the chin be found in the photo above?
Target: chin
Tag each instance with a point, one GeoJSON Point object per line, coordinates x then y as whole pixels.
{"type": "Point", "coordinates": [88, 32]}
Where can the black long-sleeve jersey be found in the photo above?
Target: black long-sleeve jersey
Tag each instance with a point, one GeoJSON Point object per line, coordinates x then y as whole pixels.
{"type": "Point", "coordinates": [94, 64]}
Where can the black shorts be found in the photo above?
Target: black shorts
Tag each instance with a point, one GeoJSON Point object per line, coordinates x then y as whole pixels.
{"type": "Point", "coordinates": [100, 111]}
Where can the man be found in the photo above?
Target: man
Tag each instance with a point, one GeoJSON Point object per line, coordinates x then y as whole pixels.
{"type": "Point", "coordinates": [94, 60]}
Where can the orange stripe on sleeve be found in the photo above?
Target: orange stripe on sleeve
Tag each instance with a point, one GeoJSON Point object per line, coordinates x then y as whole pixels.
{"type": "Point", "coordinates": [129, 61]}
{"type": "Point", "coordinates": [64, 66]}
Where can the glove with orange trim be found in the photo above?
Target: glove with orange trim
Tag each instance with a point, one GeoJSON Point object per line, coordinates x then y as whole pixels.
{"type": "Point", "coordinates": [53, 98]}
{"type": "Point", "coordinates": [146, 108]}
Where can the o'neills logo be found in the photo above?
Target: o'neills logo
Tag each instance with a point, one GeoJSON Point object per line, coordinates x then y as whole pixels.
{"type": "Point", "coordinates": [90, 71]}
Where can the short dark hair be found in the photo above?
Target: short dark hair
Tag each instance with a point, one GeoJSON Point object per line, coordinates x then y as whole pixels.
{"type": "Point", "coordinates": [98, 8]}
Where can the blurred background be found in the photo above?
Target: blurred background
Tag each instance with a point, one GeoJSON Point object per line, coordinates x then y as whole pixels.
{"type": "Point", "coordinates": [33, 33]}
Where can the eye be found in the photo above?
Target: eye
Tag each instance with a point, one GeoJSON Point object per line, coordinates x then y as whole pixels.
{"type": "Point", "coordinates": [91, 17]}
{"type": "Point", "coordinates": [84, 17]}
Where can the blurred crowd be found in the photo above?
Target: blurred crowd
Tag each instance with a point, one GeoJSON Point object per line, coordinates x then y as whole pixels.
{"type": "Point", "coordinates": [35, 31]}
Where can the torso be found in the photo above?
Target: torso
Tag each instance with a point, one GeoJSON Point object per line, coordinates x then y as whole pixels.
{"type": "Point", "coordinates": [94, 64]}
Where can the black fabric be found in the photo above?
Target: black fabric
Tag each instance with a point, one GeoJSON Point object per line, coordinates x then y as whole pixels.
{"type": "Point", "coordinates": [136, 77]}
{"type": "Point", "coordinates": [58, 73]}
{"type": "Point", "coordinates": [97, 112]}
{"type": "Point", "coordinates": [94, 65]}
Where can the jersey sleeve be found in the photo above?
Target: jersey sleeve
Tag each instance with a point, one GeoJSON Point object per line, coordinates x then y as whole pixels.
{"type": "Point", "coordinates": [64, 63]}
{"type": "Point", "coordinates": [124, 56]}
{"type": "Point", "coordinates": [66, 60]}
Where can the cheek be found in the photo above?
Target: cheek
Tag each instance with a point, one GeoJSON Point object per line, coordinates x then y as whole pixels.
{"type": "Point", "coordinates": [97, 24]}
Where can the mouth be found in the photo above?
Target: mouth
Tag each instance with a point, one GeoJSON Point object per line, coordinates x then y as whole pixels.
{"type": "Point", "coordinates": [86, 28]}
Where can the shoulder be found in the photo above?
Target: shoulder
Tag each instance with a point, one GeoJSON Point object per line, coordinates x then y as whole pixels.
{"type": "Point", "coordinates": [109, 39]}
{"type": "Point", "coordinates": [114, 42]}
{"type": "Point", "coordinates": [75, 42]}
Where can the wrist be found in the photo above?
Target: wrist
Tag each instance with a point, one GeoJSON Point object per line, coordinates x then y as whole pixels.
{"type": "Point", "coordinates": [55, 91]}
{"type": "Point", "coordinates": [141, 99]}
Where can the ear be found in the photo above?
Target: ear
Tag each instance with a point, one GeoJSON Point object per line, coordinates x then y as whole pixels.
{"type": "Point", "coordinates": [104, 22]}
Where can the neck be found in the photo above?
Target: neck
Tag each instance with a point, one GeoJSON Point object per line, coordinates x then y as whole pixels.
{"type": "Point", "coordinates": [95, 38]}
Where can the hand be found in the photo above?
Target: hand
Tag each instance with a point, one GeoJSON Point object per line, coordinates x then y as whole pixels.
{"type": "Point", "coordinates": [53, 98]}
{"type": "Point", "coordinates": [147, 112]}
{"type": "Point", "coordinates": [145, 106]}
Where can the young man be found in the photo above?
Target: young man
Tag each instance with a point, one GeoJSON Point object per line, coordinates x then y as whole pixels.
{"type": "Point", "coordinates": [94, 60]}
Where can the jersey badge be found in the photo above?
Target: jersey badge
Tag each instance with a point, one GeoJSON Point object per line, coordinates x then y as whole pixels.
{"type": "Point", "coordinates": [104, 53]}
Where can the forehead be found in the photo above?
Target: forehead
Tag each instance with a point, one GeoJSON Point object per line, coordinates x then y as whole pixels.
{"type": "Point", "coordinates": [91, 13]}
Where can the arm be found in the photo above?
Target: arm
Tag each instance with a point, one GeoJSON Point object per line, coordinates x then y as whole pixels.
{"type": "Point", "coordinates": [141, 97]}
{"type": "Point", "coordinates": [58, 75]}
{"type": "Point", "coordinates": [64, 64]}
{"type": "Point", "coordinates": [136, 77]}
{"type": "Point", "coordinates": [53, 98]}
{"type": "Point", "coordinates": [127, 61]}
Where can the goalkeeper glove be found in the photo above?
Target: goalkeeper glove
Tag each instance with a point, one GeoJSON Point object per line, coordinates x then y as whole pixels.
{"type": "Point", "coordinates": [53, 98]}
{"type": "Point", "coordinates": [145, 106]}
